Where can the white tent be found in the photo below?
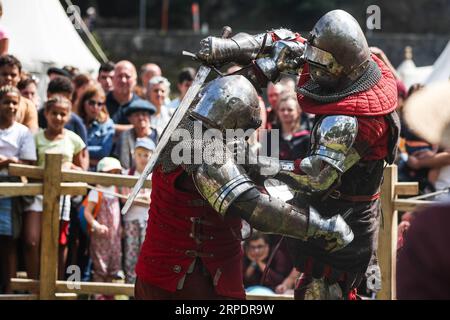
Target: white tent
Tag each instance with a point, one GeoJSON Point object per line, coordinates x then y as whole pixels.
{"type": "Point", "coordinates": [42, 35]}
{"type": "Point", "coordinates": [441, 68]}
{"type": "Point", "coordinates": [409, 73]}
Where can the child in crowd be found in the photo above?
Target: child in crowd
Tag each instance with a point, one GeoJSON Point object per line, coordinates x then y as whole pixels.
{"type": "Point", "coordinates": [16, 146]}
{"type": "Point", "coordinates": [105, 228]}
{"type": "Point", "coordinates": [54, 138]}
{"type": "Point", "coordinates": [135, 221]}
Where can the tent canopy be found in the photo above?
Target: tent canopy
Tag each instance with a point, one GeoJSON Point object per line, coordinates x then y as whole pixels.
{"type": "Point", "coordinates": [441, 68]}
{"type": "Point", "coordinates": [42, 35]}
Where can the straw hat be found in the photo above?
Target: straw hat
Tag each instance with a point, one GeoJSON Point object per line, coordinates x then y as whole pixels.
{"type": "Point", "coordinates": [427, 113]}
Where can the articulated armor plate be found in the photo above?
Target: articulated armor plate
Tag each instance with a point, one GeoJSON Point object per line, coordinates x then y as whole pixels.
{"type": "Point", "coordinates": [286, 56]}
{"type": "Point", "coordinates": [229, 102]}
{"type": "Point", "coordinates": [220, 186]}
{"type": "Point", "coordinates": [331, 140]}
{"type": "Point", "coordinates": [241, 48]}
{"type": "Point", "coordinates": [337, 50]}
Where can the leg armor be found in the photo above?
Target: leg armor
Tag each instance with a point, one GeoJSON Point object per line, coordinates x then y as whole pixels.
{"type": "Point", "coordinates": [317, 289]}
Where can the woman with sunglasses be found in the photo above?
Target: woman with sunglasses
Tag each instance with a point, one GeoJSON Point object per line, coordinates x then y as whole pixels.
{"type": "Point", "coordinates": [100, 127]}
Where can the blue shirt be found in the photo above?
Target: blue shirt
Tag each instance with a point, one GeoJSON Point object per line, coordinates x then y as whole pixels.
{"type": "Point", "coordinates": [100, 139]}
{"type": "Point", "coordinates": [117, 111]}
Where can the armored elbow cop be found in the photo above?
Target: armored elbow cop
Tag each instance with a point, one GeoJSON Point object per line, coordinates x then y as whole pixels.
{"type": "Point", "coordinates": [331, 140]}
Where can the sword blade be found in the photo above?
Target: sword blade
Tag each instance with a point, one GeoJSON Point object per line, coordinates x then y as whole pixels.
{"type": "Point", "coordinates": [200, 78]}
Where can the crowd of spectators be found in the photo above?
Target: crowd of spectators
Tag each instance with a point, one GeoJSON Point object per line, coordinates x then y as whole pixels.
{"type": "Point", "coordinates": [112, 124]}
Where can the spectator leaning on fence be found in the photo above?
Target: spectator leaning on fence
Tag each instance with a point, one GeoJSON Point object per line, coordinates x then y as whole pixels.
{"type": "Point", "coordinates": [257, 253]}
{"type": "Point", "coordinates": [99, 125]}
{"type": "Point", "coordinates": [16, 146]}
{"type": "Point", "coordinates": [56, 138]}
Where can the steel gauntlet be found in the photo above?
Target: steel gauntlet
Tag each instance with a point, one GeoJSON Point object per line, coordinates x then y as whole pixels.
{"type": "Point", "coordinates": [241, 48]}
{"type": "Point", "coordinates": [334, 230]}
{"type": "Point", "coordinates": [287, 56]}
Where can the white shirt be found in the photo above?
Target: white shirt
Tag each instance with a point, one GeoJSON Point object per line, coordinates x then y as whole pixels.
{"type": "Point", "coordinates": [160, 121]}
{"type": "Point", "coordinates": [138, 212]}
{"type": "Point", "coordinates": [17, 141]}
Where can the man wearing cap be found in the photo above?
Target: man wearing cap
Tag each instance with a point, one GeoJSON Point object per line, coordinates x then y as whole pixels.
{"type": "Point", "coordinates": [138, 113]}
{"type": "Point", "coordinates": [353, 95]}
{"type": "Point", "coordinates": [54, 72]}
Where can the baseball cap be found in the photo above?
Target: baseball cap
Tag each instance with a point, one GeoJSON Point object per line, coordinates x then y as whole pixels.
{"type": "Point", "coordinates": [145, 143]}
{"type": "Point", "coordinates": [107, 164]}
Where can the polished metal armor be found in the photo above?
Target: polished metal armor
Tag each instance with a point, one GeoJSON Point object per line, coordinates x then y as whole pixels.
{"type": "Point", "coordinates": [337, 50]}
{"type": "Point", "coordinates": [241, 48]}
{"type": "Point", "coordinates": [286, 56]}
{"type": "Point", "coordinates": [331, 140]}
{"type": "Point", "coordinates": [220, 186]}
{"type": "Point", "coordinates": [223, 186]}
{"type": "Point", "coordinates": [230, 102]}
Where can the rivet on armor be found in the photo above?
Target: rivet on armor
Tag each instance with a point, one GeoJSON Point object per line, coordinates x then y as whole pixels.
{"type": "Point", "coordinates": [176, 268]}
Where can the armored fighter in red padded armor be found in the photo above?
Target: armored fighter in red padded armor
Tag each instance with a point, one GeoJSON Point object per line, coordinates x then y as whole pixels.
{"type": "Point", "coordinates": [192, 249]}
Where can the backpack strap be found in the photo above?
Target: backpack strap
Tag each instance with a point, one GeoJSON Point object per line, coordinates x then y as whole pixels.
{"type": "Point", "coordinates": [98, 204]}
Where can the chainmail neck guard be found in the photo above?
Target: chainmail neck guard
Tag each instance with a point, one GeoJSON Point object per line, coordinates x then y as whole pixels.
{"type": "Point", "coordinates": [195, 145]}
{"type": "Point", "coordinates": [370, 78]}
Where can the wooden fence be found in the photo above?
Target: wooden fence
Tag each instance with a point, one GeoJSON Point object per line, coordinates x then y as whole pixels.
{"type": "Point", "coordinates": [57, 182]}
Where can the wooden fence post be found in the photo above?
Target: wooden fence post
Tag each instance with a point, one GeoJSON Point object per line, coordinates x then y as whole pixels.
{"type": "Point", "coordinates": [50, 226]}
{"type": "Point", "coordinates": [387, 241]}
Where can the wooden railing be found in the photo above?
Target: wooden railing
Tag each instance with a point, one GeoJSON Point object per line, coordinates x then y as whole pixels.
{"type": "Point", "coordinates": [57, 182]}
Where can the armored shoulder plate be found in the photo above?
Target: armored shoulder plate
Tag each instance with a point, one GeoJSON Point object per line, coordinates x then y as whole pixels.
{"type": "Point", "coordinates": [331, 140]}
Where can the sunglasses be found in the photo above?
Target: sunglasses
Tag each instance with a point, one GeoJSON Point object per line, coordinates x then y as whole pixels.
{"type": "Point", "coordinates": [94, 103]}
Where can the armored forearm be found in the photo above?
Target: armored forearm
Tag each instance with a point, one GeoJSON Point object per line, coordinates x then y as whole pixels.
{"type": "Point", "coordinates": [229, 190]}
{"type": "Point", "coordinates": [271, 215]}
{"type": "Point", "coordinates": [320, 181]}
{"type": "Point", "coordinates": [241, 48]}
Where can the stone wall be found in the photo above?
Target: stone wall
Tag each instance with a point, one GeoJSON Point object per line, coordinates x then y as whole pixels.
{"type": "Point", "coordinates": [165, 49]}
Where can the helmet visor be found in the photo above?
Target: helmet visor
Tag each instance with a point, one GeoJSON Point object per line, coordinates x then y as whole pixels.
{"type": "Point", "coordinates": [322, 59]}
